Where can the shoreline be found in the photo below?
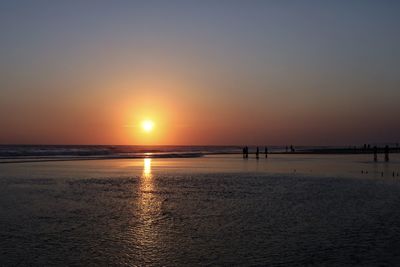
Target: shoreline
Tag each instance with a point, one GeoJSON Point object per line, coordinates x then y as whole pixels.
{"type": "Point", "coordinates": [325, 151]}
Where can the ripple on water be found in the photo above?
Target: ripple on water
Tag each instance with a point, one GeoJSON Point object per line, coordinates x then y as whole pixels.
{"type": "Point", "coordinates": [200, 219]}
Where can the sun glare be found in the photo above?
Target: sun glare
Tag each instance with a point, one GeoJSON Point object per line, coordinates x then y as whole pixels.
{"type": "Point", "coordinates": [148, 125]}
{"type": "Point", "coordinates": [147, 168]}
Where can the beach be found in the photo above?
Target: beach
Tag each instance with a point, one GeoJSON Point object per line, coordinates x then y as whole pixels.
{"type": "Point", "coordinates": [199, 133]}
{"type": "Point", "coordinates": [287, 210]}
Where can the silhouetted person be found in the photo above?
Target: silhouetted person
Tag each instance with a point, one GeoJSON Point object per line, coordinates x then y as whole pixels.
{"type": "Point", "coordinates": [247, 152]}
{"type": "Point", "coordinates": [291, 148]}
{"type": "Point", "coordinates": [257, 153]}
{"type": "Point", "coordinates": [266, 152]}
{"type": "Point", "coordinates": [365, 147]}
{"type": "Point", "coordinates": [375, 154]}
{"type": "Point", "coordinates": [369, 147]}
{"type": "Point", "coordinates": [386, 153]}
{"type": "Point", "coordinates": [244, 152]}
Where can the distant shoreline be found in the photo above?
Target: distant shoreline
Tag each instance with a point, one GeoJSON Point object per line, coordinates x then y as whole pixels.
{"type": "Point", "coordinates": [319, 151]}
{"type": "Point", "coordinates": [341, 151]}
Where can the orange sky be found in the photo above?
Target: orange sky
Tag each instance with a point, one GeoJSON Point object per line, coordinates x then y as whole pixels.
{"type": "Point", "coordinates": [206, 74]}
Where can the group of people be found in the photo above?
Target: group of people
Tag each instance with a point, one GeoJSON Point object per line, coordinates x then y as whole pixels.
{"type": "Point", "coordinates": [386, 151]}
{"type": "Point", "coordinates": [366, 148]}
{"type": "Point", "coordinates": [246, 152]}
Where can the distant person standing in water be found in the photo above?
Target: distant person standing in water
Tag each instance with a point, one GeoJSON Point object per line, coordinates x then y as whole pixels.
{"type": "Point", "coordinates": [266, 152]}
{"type": "Point", "coordinates": [375, 154]}
{"type": "Point", "coordinates": [291, 148]}
{"type": "Point", "coordinates": [245, 152]}
{"type": "Point", "coordinates": [386, 153]}
{"type": "Point", "coordinates": [257, 153]}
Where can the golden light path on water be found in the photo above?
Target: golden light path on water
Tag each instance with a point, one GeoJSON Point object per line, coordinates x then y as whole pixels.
{"type": "Point", "coordinates": [148, 213]}
{"type": "Point", "coordinates": [146, 187]}
{"type": "Point", "coordinates": [147, 168]}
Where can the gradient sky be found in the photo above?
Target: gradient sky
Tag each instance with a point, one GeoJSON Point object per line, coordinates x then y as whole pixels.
{"type": "Point", "coordinates": [207, 72]}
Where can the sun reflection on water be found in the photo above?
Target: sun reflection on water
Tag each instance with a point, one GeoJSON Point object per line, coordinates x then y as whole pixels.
{"type": "Point", "coordinates": [147, 168]}
{"type": "Point", "coordinates": [148, 213]}
{"type": "Point", "coordinates": [146, 180]}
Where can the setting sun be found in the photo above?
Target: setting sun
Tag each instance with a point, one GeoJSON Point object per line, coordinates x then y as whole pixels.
{"type": "Point", "coordinates": [148, 125]}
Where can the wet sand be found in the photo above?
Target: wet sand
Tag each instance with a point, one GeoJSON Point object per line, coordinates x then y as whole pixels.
{"type": "Point", "coordinates": [218, 210]}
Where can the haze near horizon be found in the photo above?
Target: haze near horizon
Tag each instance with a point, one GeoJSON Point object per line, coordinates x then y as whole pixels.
{"type": "Point", "coordinates": [199, 73]}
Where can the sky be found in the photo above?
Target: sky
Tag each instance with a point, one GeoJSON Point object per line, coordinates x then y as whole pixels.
{"type": "Point", "coordinates": [205, 72]}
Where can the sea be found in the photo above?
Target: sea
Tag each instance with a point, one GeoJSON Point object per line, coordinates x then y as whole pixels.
{"type": "Point", "coordinates": [109, 152]}
{"type": "Point", "coordinates": [196, 206]}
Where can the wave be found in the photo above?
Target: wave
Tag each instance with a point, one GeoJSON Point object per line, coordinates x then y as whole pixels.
{"type": "Point", "coordinates": [23, 153]}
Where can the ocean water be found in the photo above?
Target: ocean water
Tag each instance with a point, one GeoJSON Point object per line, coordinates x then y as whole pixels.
{"type": "Point", "coordinates": [287, 210]}
{"type": "Point", "coordinates": [70, 152]}
{"type": "Point", "coordinates": [78, 152]}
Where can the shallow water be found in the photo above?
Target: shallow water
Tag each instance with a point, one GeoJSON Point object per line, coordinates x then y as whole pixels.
{"type": "Point", "coordinates": [219, 210]}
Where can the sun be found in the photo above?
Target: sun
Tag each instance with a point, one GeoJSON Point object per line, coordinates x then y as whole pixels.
{"type": "Point", "coordinates": [147, 126]}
